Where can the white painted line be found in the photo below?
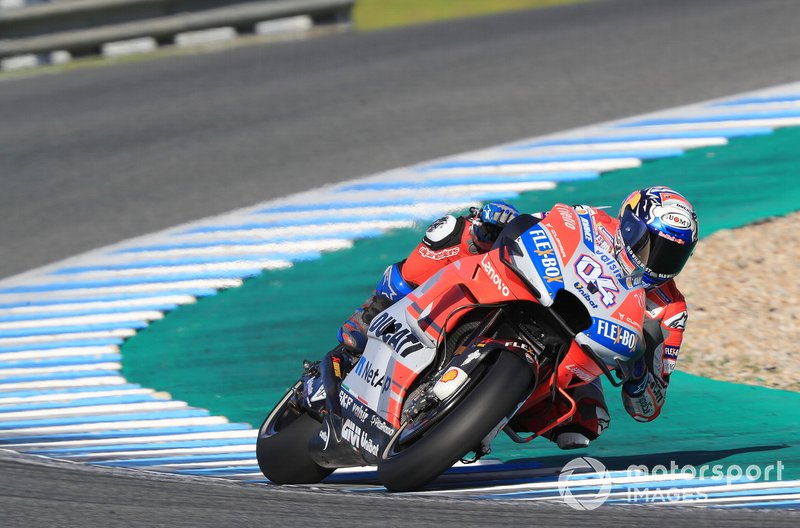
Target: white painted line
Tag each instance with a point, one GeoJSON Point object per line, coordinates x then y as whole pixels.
{"type": "Point", "coordinates": [683, 144]}
{"type": "Point", "coordinates": [151, 287]}
{"type": "Point", "coordinates": [150, 453]}
{"type": "Point", "coordinates": [216, 463]}
{"type": "Point", "coordinates": [485, 188]}
{"type": "Point", "coordinates": [595, 481]}
{"type": "Point", "coordinates": [186, 437]}
{"type": "Point", "coordinates": [717, 125]}
{"type": "Point", "coordinates": [417, 210]}
{"type": "Point", "coordinates": [89, 410]}
{"type": "Point", "coordinates": [128, 303]}
{"type": "Point", "coordinates": [766, 106]}
{"type": "Point", "coordinates": [291, 231]}
{"type": "Point", "coordinates": [525, 168]}
{"type": "Point", "coordinates": [234, 265]}
{"type": "Point", "coordinates": [114, 426]}
{"type": "Point", "coordinates": [129, 47]}
{"type": "Point", "coordinates": [105, 334]}
{"type": "Point", "coordinates": [34, 371]}
{"type": "Point", "coordinates": [239, 476]}
{"type": "Point", "coordinates": [70, 396]}
{"type": "Point", "coordinates": [84, 320]}
{"type": "Point", "coordinates": [266, 248]}
{"type": "Point", "coordinates": [661, 492]}
{"type": "Point", "coordinates": [502, 187]}
{"type": "Point", "coordinates": [64, 383]}
{"type": "Point", "coordinates": [59, 352]}
{"type": "Point", "coordinates": [730, 500]}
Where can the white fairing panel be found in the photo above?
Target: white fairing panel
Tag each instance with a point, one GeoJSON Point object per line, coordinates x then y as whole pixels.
{"type": "Point", "coordinates": [395, 347]}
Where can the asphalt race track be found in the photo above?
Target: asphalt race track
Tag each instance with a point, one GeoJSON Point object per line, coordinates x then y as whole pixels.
{"type": "Point", "coordinates": [58, 494]}
{"type": "Point", "coordinates": [94, 156]}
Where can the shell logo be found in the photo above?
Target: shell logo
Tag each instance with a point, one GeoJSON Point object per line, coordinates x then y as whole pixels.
{"type": "Point", "coordinates": [450, 375]}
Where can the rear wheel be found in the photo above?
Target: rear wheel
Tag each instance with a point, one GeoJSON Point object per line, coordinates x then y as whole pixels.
{"type": "Point", "coordinates": [282, 445]}
{"type": "Point", "coordinates": [431, 442]}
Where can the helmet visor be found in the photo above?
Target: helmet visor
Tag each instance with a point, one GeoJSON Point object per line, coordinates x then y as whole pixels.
{"type": "Point", "coordinates": [667, 255]}
{"type": "Point", "coordinates": [636, 238]}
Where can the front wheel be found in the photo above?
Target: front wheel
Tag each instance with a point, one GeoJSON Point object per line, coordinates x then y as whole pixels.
{"type": "Point", "coordinates": [409, 464]}
{"type": "Point", "coordinates": [282, 445]}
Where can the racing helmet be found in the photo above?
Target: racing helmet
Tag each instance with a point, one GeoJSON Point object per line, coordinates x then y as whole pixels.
{"type": "Point", "coordinates": [657, 234]}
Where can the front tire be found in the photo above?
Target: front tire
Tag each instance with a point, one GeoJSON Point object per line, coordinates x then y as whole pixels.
{"type": "Point", "coordinates": [282, 446]}
{"type": "Point", "coordinates": [409, 467]}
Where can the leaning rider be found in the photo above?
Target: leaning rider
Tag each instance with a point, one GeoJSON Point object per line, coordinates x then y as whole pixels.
{"type": "Point", "coordinates": [654, 234]}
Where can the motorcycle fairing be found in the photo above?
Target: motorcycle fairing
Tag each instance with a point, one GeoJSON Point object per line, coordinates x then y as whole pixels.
{"type": "Point", "coordinates": [397, 351]}
{"type": "Point", "coordinates": [402, 340]}
{"type": "Point", "coordinates": [561, 252]}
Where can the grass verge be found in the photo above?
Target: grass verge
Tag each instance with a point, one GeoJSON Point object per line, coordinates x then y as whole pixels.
{"type": "Point", "coordinates": [378, 14]}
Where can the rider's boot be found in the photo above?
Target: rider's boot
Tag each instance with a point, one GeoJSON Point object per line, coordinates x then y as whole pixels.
{"type": "Point", "coordinates": [591, 418]}
{"type": "Point", "coordinates": [353, 333]}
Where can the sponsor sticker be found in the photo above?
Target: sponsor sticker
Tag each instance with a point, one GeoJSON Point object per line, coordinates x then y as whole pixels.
{"type": "Point", "coordinates": [345, 400]}
{"type": "Point", "coordinates": [585, 294]}
{"type": "Point", "coordinates": [676, 220]}
{"type": "Point", "coordinates": [543, 256]}
{"type": "Point", "coordinates": [360, 412]}
{"type": "Point", "coordinates": [582, 374]}
{"type": "Point", "coordinates": [487, 266]}
{"type": "Point", "coordinates": [591, 273]}
{"type": "Point", "coordinates": [449, 383]}
{"type": "Point", "coordinates": [588, 232]}
{"type": "Point", "coordinates": [612, 335]}
{"type": "Point", "coordinates": [471, 357]}
{"type": "Point", "coordinates": [395, 334]}
{"type": "Point", "coordinates": [438, 255]}
{"type": "Point", "coordinates": [381, 426]}
{"type": "Point", "coordinates": [671, 352]}
{"type": "Point", "coordinates": [450, 375]}
{"type": "Point", "coordinates": [359, 438]}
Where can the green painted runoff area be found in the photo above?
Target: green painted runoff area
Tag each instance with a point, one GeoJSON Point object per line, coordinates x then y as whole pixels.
{"type": "Point", "coordinates": [235, 353]}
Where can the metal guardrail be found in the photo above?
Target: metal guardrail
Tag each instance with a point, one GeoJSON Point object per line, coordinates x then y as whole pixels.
{"type": "Point", "coordinates": [81, 27]}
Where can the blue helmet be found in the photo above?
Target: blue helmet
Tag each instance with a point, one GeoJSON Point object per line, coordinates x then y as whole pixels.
{"type": "Point", "coordinates": [657, 234]}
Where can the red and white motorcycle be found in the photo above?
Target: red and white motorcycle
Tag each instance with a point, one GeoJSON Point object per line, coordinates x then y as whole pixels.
{"type": "Point", "coordinates": [449, 366]}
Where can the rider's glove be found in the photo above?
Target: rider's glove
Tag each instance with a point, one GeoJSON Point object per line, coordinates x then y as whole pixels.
{"type": "Point", "coordinates": [489, 220]}
{"type": "Point", "coordinates": [643, 395]}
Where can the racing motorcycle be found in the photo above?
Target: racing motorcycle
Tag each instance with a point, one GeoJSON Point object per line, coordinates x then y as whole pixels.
{"type": "Point", "coordinates": [485, 340]}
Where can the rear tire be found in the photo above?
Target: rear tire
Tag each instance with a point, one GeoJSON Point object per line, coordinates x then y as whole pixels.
{"type": "Point", "coordinates": [409, 467]}
{"type": "Point", "coordinates": [282, 447]}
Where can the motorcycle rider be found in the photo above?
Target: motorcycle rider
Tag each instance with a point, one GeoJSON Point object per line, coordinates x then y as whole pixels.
{"type": "Point", "coordinates": [654, 235]}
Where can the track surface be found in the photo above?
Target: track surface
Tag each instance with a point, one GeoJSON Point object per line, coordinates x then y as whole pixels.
{"type": "Point", "coordinates": [121, 499]}
{"type": "Point", "coordinates": [96, 156]}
